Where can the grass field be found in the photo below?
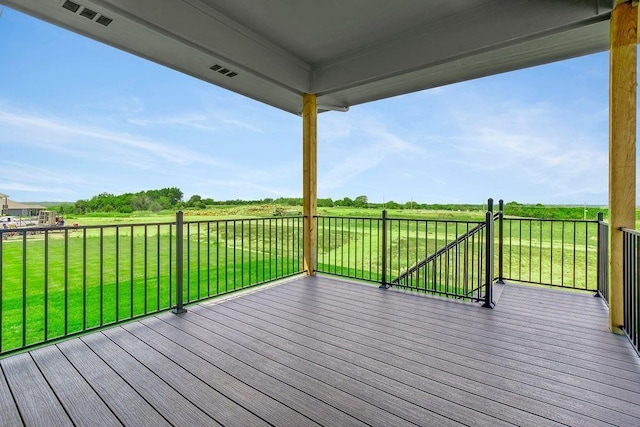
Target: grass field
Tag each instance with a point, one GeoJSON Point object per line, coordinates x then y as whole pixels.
{"type": "Point", "coordinates": [114, 268]}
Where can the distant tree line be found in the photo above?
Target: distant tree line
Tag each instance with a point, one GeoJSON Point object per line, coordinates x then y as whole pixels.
{"type": "Point", "coordinates": [172, 199]}
{"type": "Point", "coordinates": [150, 200]}
{"type": "Point", "coordinates": [553, 212]}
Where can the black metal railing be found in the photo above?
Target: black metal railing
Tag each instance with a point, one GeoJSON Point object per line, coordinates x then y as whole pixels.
{"type": "Point", "coordinates": [631, 282]}
{"type": "Point", "coordinates": [457, 268]}
{"type": "Point", "coordinates": [451, 246]}
{"type": "Point", "coordinates": [57, 282]}
{"type": "Point", "coordinates": [447, 258]}
{"type": "Point", "coordinates": [564, 253]}
{"type": "Point", "coordinates": [351, 247]}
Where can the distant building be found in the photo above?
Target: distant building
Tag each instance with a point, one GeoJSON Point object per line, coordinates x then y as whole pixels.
{"type": "Point", "coordinates": [4, 205]}
{"type": "Point", "coordinates": [11, 208]}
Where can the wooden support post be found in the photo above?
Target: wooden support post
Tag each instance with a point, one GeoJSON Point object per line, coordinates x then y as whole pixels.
{"type": "Point", "coordinates": [622, 146]}
{"type": "Point", "coordinates": [309, 180]}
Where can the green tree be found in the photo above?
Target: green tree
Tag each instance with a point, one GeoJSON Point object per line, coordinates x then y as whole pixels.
{"type": "Point", "coordinates": [173, 195]}
{"type": "Point", "coordinates": [361, 202]}
{"type": "Point", "coordinates": [392, 205]}
{"type": "Point", "coordinates": [194, 201]}
{"type": "Point", "coordinates": [345, 202]}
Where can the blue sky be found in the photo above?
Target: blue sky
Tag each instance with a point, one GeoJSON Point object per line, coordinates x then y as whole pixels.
{"type": "Point", "coordinates": [78, 118]}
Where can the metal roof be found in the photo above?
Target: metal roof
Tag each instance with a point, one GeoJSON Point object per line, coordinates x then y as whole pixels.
{"type": "Point", "coordinates": [347, 51]}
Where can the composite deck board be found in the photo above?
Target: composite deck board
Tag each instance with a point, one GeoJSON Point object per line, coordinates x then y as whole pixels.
{"type": "Point", "coordinates": [593, 404]}
{"type": "Point", "coordinates": [442, 380]}
{"type": "Point", "coordinates": [395, 398]}
{"type": "Point", "coordinates": [584, 311]}
{"type": "Point", "coordinates": [326, 351]}
{"type": "Point", "coordinates": [457, 324]}
{"type": "Point", "coordinates": [496, 324]}
{"type": "Point", "coordinates": [461, 325]}
{"type": "Point", "coordinates": [165, 399]}
{"type": "Point", "coordinates": [70, 387]}
{"type": "Point", "coordinates": [266, 407]}
{"type": "Point", "coordinates": [514, 313]}
{"type": "Point", "coordinates": [323, 392]}
{"type": "Point", "coordinates": [8, 408]}
{"type": "Point", "coordinates": [122, 399]}
{"type": "Point", "coordinates": [36, 402]}
{"type": "Point", "coordinates": [225, 411]}
{"type": "Point", "coordinates": [552, 321]}
{"type": "Point", "coordinates": [316, 410]}
{"type": "Point", "coordinates": [401, 384]}
{"type": "Point", "coordinates": [522, 352]}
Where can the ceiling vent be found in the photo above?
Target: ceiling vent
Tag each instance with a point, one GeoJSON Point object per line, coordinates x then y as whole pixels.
{"type": "Point", "coordinates": [222, 70]}
{"type": "Point", "coordinates": [104, 20]}
{"type": "Point", "coordinates": [86, 12]}
{"type": "Point", "coordinates": [69, 5]}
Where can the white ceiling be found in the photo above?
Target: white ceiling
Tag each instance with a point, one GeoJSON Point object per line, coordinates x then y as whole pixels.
{"type": "Point", "coordinates": [347, 51]}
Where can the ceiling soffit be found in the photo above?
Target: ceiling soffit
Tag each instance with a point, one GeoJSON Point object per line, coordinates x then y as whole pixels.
{"type": "Point", "coordinates": [346, 51]}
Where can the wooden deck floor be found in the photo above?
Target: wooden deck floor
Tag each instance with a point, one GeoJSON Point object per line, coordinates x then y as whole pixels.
{"type": "Point", "coordinates": [321, 351]}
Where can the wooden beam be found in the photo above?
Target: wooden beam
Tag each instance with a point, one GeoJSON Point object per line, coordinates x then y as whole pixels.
{"type": "Point", "coordinates": [309, 179]}
{"type": "Point", "coordinates": [638, 35]}
{"type": "Point", "coordinates": [622, 146]}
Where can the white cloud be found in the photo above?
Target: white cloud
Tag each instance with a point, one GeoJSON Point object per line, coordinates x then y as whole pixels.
{"type": "Point", "coordinates": [211, 121]}
{"type": "Point", "coordinates": [26, 172]}
{"type": "Point", "coordinates": [192, 120]}
{"type": "Point", "coordinates": [241, 188]}
{"type": "Point", "coordinates": [92, 142]}
{"type": "Point", "coordinates": [334, 126]}
{"type": "Point", "coordinates": [376, 145]}
{"type": "Point", "coordinates": [541, 145]}
{"type": "Point", "coordinates": [128, 105]}
{"type": "Point", "coordinates": [241, 124]}
{"type": "Point", "coordinates": [24, 178]}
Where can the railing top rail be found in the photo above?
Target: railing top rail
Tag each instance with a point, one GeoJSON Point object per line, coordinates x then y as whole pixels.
{"type": "Point", "coordinates": [520, 218]}
{"type": "Point", "coordinates": [630, 231]}
{"type": "Point", "coordinates": [28, 229]}
{"type": "Point", "coordinates": [450, 221]}
{"type": "Point", "coordinates": [401, 219]}
{"type": "Point", "coordinates": [257, 218]}
{"type": "Point", "coordinates": [349, 217]}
